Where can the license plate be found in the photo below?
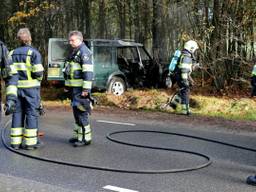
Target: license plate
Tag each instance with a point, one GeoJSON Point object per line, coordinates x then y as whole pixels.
{"type": "Point", "coordinates": [53, 72]}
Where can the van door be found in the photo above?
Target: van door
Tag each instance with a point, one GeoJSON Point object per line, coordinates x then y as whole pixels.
{"type": "Point", "coordinates": [152, 69]}
{"type": "Point", "coordinates": [103, 65]}
{"type": "Point", "coordinates": [58, 50]}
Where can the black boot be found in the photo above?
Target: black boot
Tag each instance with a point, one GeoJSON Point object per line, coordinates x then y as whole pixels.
{"type": "Point", "coordinates": [173, 105]}
{"type": "Point", "coordinates": [73, 140]}
{"type": "Point", "coordinates": [251, 180]}
{"type": "Point", "coordinates": [16, 147]}
{"type": "Point", "coordinates": [33, 147]}
{"type": "Point", "coordinates": [81, 143]}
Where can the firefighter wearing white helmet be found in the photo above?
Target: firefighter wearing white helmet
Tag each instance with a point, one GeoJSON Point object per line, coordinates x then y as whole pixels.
{"type": "Point", "coordinates": [182, 75]}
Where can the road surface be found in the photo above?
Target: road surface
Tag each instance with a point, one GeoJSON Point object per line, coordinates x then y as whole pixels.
{"type": "Point", "coordinates": [227, 173]}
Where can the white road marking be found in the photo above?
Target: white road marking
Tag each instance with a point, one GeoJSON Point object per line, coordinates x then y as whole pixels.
{"type": "Point", "coordinates": [117, 123]}
{"type": "Point", "coordinates": [117, 189]}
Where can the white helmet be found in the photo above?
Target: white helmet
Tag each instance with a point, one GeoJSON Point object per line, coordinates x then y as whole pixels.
{"type": "Point", "coordinates": [191, 46]}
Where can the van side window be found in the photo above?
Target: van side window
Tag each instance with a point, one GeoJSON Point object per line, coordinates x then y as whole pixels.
{"type": "Point", "coordinates": [129, 53]}
{"type": "Point", "coordinates": [103, 56]}
{"type": "Point", "coordinates": [144, 56]}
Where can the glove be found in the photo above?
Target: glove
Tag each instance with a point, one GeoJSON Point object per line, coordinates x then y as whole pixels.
{"type": "Point", "coordinates": [10, 107]}
{"type": "Point", "coordinates": [41, 109]}
{"type": "Point", "coordinates": [185, 83]}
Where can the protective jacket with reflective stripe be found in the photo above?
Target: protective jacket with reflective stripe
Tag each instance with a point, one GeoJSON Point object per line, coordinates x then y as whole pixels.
{"type": "Point", "coordinates": [8, 68]}
{"type": "Point", "coordinates": [184, 67]}
{"type": "Point", "coordinates": [28, 63]}
{"type": "Point", "coordinates": [81, 68]}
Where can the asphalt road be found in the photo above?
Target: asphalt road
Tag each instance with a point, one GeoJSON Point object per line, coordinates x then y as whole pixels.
{"type": "Point", "coordinates": [227, 173]}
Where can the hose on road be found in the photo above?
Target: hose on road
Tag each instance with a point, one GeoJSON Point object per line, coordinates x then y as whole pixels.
{"type": "Point", "coordinates": [111, 138]}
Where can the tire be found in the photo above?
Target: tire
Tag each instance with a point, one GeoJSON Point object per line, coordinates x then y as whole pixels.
{"type": "Point", "coordinates": [116, 86]}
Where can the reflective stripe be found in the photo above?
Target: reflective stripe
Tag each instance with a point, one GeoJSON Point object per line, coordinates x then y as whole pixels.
{"type": "Point", "coordinates": [16, 140]}
{"type": "Point", "coordinates": [28, 64]}
{"type": "Point", "coordinates": [88, 133]}
{"type": "Point", "coordinates": [254, 70]}
{"type": "Point", "coordinates": [87, 67]}
{"type": "Point", "coordinates": [87, 129]}
{"type": "Point", "coordinates": [75, 130]}
{"type": "Point", "coordinates": [74, 82]}
{"type": "Point", "coordinates": [184, 75]}
{"type": "Point", "coordinates": [11, 90]}
{"type": "Point", "coordinates": [87, 137]}
{"type": "Point", "coordinates": [87, 84]}
{"type": "Point", "coordinates": [10, 54]}
{"type": "Point", "coordinates": [75, 66]}
{"type": "Point", "coordinates": [30, 132]}
{"type": "Point", "coordinates": [37, 68]}
{"type": "Point", "coordinates": [28, 83]}
{"type": "Point", "coordinates": [16, 131]}
{"type": "Point", "coordinates": [185, 66]}
{"type": "Point", "coordinates": [20, 66]}
{"type": "Point", "coordinates": [31, 141]}
{"type": "Point", "coordinates": [13, 69]}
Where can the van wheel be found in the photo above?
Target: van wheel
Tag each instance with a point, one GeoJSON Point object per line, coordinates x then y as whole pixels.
{"type": "Point", "coordinates": [116, 86]}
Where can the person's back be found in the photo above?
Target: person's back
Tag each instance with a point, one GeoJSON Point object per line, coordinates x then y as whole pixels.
{"type": "Point", "coordinates": [27, 62]}
{"type": "Point", "coordinates": [25, 57]}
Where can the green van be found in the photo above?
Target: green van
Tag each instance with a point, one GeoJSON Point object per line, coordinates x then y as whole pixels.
{"type": "Point", "coordinates": [118, 64]}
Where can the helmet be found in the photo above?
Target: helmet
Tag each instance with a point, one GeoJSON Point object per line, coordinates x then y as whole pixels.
{"type": "Point", "coordinates": [191, 46]}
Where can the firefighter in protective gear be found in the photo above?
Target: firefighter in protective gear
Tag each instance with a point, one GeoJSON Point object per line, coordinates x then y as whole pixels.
{"type": "Point", "coordinates": [183, 78]}
{"type": "Point", "coordinates": [10, 76]}
{"type": "Point", "coordinates": [78, 73]}
{"type": "Point", "coordinates": [253, 81]}
{"type": "Point", "coordinates": [28, 63]}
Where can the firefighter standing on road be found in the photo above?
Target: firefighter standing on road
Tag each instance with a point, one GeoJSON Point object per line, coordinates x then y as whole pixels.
{"type": "Point", "coordinates": [10, 76]}
{"type": "Point", "coordinates": [253, 81]}
{"type": "Point", "coordinates": [27, 61]}
{"type": "Point", "coordinates": [78, 73]}
{"type": "Point", "coordinates": [182, 76]}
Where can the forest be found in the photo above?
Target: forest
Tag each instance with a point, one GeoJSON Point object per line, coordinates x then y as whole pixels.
{"type": "Point", "coordinates": [224, 29]}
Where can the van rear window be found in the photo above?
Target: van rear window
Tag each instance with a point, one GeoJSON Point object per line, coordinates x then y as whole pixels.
{"type": "Point", "coordinates": [59, 50]}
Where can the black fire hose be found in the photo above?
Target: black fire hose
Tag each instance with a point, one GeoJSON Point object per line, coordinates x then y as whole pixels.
{"type": "Point", "coordinates": [109, 136]}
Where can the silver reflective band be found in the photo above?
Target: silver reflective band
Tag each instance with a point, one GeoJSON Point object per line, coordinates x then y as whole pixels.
{"type": "Point", "coordinates": [87, 137]}
{"type": "Point", "coordinates": [30, 132]}
{"type": "Point", "coordinates": [87, 67]}
{"type": "Point", "coordinates": [11, 90]}
{"type": "Point", "coordinates": [28, 83]}
{"type": "Point", "coordinates": [185, 66]}
{"type": "Point", "coordinates": [16, 131]}
{"type": "Point", "coordinates": [87, 84]}
{"type": "Point", "coordinates": [16, 140]}
{"type": "Point", "coordinates": [13, 69]}
{"type": "Point", "coordinates": [31, 141]}
{"type": "Point", "coordinates": [20, 66]}
{"type": "Point", "coordinates": [184, 76]}
{"type": "Point", "coordinates": [254, 70]}
{"type": "Point", "coordinates": [74, 82]}
{"type": "Point", "coordinates": [37, 68]}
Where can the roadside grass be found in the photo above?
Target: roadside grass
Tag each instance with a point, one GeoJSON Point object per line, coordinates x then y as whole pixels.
{"type": "Point", "coordinates": [154, 100]}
